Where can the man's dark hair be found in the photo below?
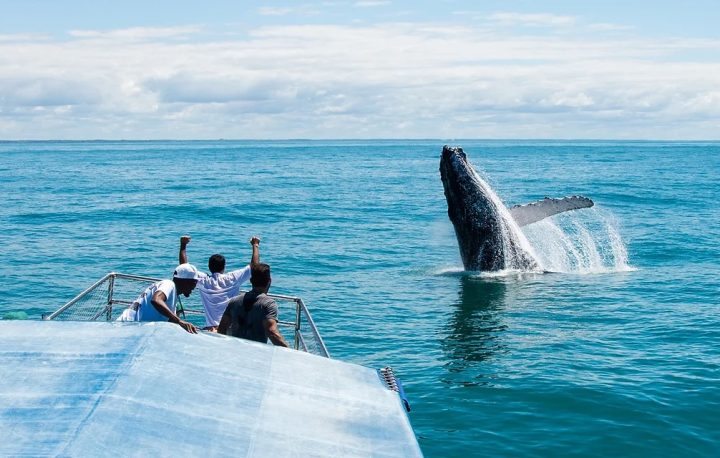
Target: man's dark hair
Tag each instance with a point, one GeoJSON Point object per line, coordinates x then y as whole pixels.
{"type": "Point", "coordinates": [216, 263]}
{"type": "Point", "coordinates": [260, 275]}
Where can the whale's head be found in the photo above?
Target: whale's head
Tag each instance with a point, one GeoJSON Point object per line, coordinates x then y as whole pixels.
{"type": "Point", "coordinates": [472, 212]}
{"type": "Point", "coordinates": [468, 199]}
{"type": "Point", "coordinates": [454, 168]}
{"type": "Point", "coordinates": [460, 183]}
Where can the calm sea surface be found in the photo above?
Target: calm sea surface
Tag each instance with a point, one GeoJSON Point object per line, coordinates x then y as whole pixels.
{"type": "Point", "coordinates": [616, 352]}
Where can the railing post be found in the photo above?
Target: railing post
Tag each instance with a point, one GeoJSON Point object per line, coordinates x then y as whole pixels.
{"type": "Point", "coordinates": [297, 324]}
{"type": "Point", "coordinates": [313, 328]}
{"type": "Point", "coordinates": [111, 291]}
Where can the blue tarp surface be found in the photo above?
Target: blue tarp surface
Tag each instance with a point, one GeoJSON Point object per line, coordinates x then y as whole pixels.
{"type": "Point", "coordinates": [141, 389]}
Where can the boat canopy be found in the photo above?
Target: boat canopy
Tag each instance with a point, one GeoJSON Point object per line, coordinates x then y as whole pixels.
{"type": "Point", "coordinates": [75, 388]}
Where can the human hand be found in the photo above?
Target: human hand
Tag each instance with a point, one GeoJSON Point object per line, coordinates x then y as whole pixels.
{"type": "Point", "coordinates": [189, 327]}
{"type": "Point", "coordinates": [184, 240]}
{"type": "Point", "coordinates": [255, 240]}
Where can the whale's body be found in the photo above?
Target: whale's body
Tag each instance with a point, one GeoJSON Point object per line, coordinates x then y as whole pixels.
{"type": "Point", "coordinates": [488, 233]}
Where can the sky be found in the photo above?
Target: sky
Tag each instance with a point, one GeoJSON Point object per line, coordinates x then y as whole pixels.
{"type": "Point", "coordinates": [360, 69]}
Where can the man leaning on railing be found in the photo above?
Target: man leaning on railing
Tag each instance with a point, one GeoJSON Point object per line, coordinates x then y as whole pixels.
{"type": "Point", "coordinates": [159, 301]}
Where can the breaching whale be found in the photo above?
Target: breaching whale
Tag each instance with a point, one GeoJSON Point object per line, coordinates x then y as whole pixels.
{"type": "Point", "coordinates": [488, 233]}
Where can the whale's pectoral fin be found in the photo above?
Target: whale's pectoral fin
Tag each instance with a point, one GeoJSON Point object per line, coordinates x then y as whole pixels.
{"type": "Point", "coordinates": [536, 211]}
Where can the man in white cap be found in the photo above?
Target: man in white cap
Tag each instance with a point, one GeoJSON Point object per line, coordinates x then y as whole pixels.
{"type": "Point", "coordinates": [159, 301]}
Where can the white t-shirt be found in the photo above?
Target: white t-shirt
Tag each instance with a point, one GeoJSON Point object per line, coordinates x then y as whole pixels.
{"type": "Point", "coordinates": [217, 289]}
{"type": "Point", "coordinates": [146, 311]}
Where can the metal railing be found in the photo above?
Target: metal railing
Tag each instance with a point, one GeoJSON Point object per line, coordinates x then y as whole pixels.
{"type": "Point", "coordinates": [105, 300]}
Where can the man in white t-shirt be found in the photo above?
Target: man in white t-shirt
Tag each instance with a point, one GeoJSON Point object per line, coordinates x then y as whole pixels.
{"type": "Point", "coordinates": [219, 287]}
{"type": "Point", "coordinates": [159, 301]}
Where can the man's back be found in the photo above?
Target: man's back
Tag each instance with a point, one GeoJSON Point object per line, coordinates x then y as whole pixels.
{"type": "Point", "coordinates": [248, 313]}
{"type": "Point", "coordinates": [143, 304]}
{"type": "Point", "coordinates": [217, 289]}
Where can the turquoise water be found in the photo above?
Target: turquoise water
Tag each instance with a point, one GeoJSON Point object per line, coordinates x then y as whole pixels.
{"type": "Point", "coordinates": [616, 352]}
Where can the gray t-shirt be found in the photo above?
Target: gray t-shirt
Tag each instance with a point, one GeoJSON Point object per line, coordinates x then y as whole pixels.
{"type": "Point", "coordinates": [247, 313]}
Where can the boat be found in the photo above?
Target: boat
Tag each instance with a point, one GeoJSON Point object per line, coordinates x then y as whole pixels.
{"type": "Point", "coordinates": [80, 383]}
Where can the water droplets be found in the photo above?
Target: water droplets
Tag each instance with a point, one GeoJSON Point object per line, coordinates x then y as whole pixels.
{"type": "Point", "coordinates": [583, 242]}
{"type": "Point", "coordinates": [518, 252]}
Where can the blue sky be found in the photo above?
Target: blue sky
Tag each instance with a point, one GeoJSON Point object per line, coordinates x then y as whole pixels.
{"type": "Point", "coordinates": [359, 69]}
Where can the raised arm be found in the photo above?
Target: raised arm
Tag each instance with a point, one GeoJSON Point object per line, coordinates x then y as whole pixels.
{"type": "Point", "coordinates": [255, 259]}
{"type": "Point", "coordinates": [182, 256]}
{"type": "Point", "coordinates": [158, 301]}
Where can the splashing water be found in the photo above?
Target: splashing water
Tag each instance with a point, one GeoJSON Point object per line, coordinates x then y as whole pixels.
{"type": "Point", "coordinates": [512, 236]}
{"type": "Point", "coordinates": [582, 242]}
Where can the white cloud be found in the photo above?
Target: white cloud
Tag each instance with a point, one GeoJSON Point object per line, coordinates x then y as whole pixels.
{"type": "Point", "coordinates": [391, 80]}
{"type": "Point", "coordinates": [370, 3]}
{"type": "Point", "coordinates": [22, 38]}
{"type": "Point", "coordinates": [137, 33]}
{"type": "Point", "coordinates": [274, 11]}
{"type": "Point", "coordinates": [532, 20]}
{"type": "Point", "coordinates": [606, 27]}
{"type": "Point", "coordinates": [48, 91]}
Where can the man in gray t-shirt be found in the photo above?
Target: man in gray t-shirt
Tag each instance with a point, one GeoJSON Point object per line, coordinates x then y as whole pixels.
{"type": "Point", "coordinates": [253, 315]}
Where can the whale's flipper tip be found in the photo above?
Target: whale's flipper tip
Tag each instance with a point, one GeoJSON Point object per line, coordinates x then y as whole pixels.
{"type": "Point", "coordinates": [536, 211]}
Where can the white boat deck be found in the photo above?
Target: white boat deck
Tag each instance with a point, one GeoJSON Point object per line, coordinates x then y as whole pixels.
{"type": "Point", "coordinates": [151, 389]}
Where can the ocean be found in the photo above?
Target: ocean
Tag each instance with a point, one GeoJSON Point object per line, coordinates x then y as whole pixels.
{"type": "Point", "coordinates": [613, 351]}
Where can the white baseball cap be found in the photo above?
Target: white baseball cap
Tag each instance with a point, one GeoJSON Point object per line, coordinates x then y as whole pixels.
{"type": "Point", "coordinates": [187, 271]}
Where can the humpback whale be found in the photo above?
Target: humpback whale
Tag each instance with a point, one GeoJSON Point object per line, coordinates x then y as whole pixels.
{"type": "Point", "coordinates": [488, 233]}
